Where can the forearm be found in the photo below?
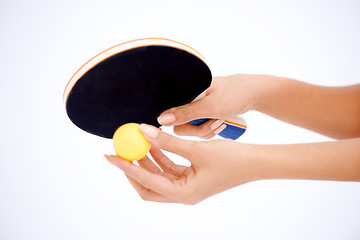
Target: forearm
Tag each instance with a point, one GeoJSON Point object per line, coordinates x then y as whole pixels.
{"type": "Point", "coordinates": [338, 161]}
{"type": "Point", "coordinates": [332, 111]}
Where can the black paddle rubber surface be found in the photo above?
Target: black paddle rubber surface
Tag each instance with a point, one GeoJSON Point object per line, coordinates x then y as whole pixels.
{"type": "Point", "coordinates": [136, 85]}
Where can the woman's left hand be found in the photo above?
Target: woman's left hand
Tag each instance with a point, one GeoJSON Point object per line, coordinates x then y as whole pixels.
{"type": "Point", "coordinates": [215, 167]}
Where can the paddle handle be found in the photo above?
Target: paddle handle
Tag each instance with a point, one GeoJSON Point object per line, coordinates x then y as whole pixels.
{"type": "Point", "coordinates": [235, 127]}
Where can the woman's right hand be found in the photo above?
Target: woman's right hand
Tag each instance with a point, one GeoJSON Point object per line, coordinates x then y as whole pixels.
{"type": "Point", "coordinates": [226, 98]}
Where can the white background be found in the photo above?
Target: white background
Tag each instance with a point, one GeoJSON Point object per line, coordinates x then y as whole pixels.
{"type": "Point", "coordinates": [54, 181]}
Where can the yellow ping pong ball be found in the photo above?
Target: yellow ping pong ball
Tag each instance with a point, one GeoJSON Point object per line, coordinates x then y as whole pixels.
{"type": "Point", "coordinates": [130, 143]}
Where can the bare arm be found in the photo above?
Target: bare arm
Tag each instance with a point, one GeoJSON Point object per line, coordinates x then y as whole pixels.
{"type": "Point", "coordinates": [332, 111]}
{"type": "Point", "coordinates": [338, 161]}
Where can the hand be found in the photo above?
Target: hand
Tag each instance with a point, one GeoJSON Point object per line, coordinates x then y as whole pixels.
{"type": "Point", "coordinates": [215, 167]}
{"type": "Point", "coordinates": [226, 98]}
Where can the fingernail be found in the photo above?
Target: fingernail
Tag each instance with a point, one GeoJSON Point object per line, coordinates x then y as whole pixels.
{"type": "Point", "coordinates": [166, 118]}
{"type": "Point", "coordinates": [220, 129]}
{"type": "Point", "coordinates": [106, 157]}
{"type": "Point", "coordinates": [149, 131]}
{"type": "Point", "coordinates": [216, 124]}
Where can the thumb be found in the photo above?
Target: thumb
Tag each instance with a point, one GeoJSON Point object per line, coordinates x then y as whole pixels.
{"type": "Point", "coordinates": [167, 142]}
{"type": "Point", "coordinates": [185, 113]}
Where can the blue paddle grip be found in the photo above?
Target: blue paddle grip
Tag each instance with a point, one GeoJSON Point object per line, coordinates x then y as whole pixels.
{"type": "Point", "coordinates": [232, 131]}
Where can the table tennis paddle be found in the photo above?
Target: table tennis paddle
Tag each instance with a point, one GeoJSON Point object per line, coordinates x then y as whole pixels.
{"type": "Point", "coordinates": [135, 82]}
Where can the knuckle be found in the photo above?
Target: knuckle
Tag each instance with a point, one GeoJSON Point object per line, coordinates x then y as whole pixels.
{"type": "Point", "coordinates": [184, 113]}
{"type": "Point", "coordinates": [171, 168]}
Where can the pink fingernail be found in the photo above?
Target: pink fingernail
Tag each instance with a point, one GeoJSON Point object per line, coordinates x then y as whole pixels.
{"type": "Point", "coordinates": [220, 129]}
{"type": "Point", "coordinates": [166, 118]}
{"type": "Point", "coordinates": [149, 131]}
{"type": "Point", "coordinates": [216, 124]}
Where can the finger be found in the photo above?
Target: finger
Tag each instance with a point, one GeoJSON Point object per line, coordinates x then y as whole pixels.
{"type": "Point", "coordinates": [150, 180]}
{"type": "Point", "coordinates": [219, 129]}
{"type": "Point", "coordinates": [198, 131]}
{"type": "Point", "coordinates": [186, 113]}
{"type": "Point", "coordinates": [209, 136]}
{"type": "Point", "coordinates": [188, 129]}
{"type": "Point", "coordinates": [165, 163]}
{"type": "Point", "coordinates": [149, 165]}
{"type": "Point", "coordinates": [215, 132]}
{"type": "Point", "coordinates": [147, 194]}
{"type": "Point", "coordinates": [167, 142]}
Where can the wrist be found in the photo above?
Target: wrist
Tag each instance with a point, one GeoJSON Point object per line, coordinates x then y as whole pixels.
{"type": "Point", "coordinates": [266, 89]}
{"type": "Point", "coordinates": [258, 87]}
{"type": "Point", "coordinates": [248, 163]}
{"type": "Point", "coordinates": [261, 162]}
